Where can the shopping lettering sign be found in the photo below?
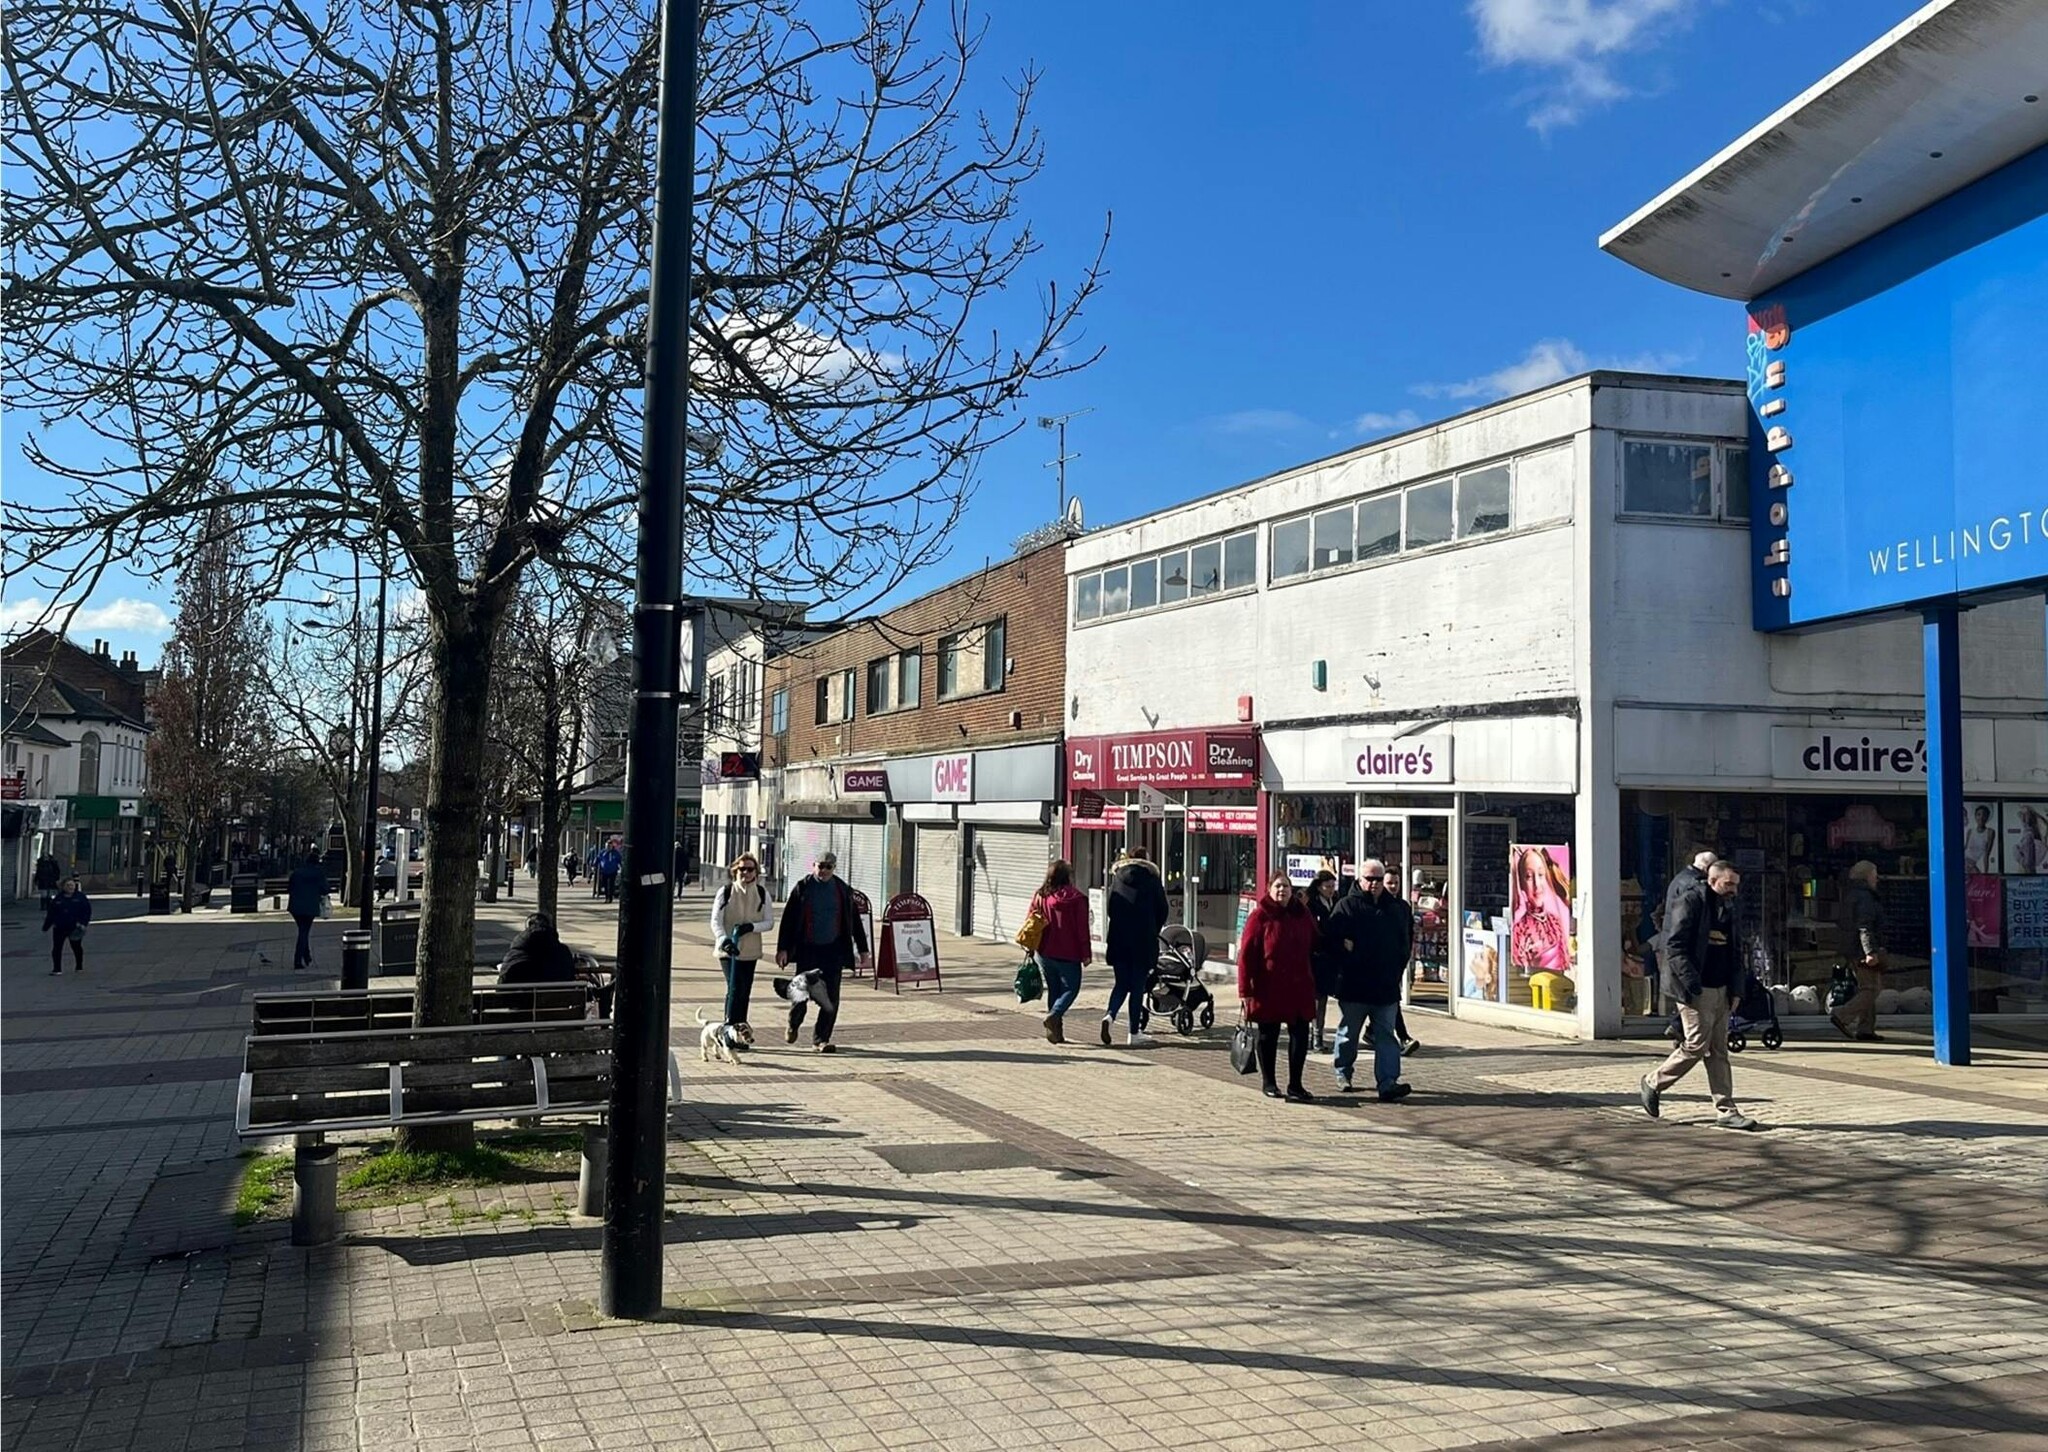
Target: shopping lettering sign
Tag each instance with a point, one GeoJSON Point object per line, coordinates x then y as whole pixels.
{"type": "Point", "coordinates": [1164, 759]}
{"type": "Point", "coordinates": [1847, 753]}
{"type": "Point", "coordinates": [953, 778]}
{"type": "Point", "coordinates": [1401, 760]}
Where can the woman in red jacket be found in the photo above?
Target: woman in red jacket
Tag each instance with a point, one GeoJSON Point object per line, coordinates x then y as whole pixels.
{"type": "Point", "coordinates": [1276, 981]}
{"type": "Point", "coordinates": [1064, 947]}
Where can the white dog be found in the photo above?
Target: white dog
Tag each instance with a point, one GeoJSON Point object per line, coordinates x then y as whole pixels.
{"type": "Point", "coordinates": [717, 1039]}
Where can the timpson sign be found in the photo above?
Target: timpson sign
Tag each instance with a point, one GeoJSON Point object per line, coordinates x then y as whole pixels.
{"type": "Point", "coordinates": [1199, 758]}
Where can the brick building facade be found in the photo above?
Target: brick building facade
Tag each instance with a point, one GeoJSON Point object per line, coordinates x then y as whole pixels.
{"type": "Point", "coordinates": [922, 745]}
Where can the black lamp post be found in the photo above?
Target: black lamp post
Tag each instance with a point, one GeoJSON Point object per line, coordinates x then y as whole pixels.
{"type": "Point", "coordinates": [635, 1189]}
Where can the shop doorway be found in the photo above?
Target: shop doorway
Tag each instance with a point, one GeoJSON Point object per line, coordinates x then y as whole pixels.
{"type": "Point", "coordinates": [1416, 848]}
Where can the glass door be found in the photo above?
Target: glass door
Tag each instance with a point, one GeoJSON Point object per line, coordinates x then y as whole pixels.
{"type": "Point", "coordinates": [1416, 850]}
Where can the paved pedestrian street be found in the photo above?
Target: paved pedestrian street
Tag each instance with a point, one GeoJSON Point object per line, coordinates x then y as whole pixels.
{"type": "Point", "coordinates": [953, 1234]}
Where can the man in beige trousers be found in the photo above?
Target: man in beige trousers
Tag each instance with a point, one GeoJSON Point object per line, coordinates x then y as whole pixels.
{"type": "Point", "coordinates": [1703, 973]}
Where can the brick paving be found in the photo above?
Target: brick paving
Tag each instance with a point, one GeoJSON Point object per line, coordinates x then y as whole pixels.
{"type": "Point", "coordinates": [954, 1235]}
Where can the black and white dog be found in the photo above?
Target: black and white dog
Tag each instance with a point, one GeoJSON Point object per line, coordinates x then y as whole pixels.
{"type": "Point", "coordinates": [806, 987]}
{"type": "Point", "coordinates": [719, 1039]}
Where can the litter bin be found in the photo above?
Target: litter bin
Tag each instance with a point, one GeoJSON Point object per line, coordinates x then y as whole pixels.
{"type": "Point", "coordinates": [398, 938]}
{"type": "Point", "coordinates": [159, 898]}
{"type": "Point", "coordinates": [242, 894]}
{"type": "Point", "coordinates": [355, 958]}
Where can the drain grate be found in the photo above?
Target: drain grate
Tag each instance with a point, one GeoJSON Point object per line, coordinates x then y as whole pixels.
{"type": "Point", "coordinates": [944, 1159]}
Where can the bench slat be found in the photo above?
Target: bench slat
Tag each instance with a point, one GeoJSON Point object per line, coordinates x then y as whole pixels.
{"type": "Point", "coordinates": [425, 1046]}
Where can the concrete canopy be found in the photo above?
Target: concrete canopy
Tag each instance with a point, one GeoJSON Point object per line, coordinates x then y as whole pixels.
{"type": "Point", "coordinates": [1953, 93]}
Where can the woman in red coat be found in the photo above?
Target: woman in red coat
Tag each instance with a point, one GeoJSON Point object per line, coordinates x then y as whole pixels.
{"type": "Point", "coordinates": [1276, 982]}
{"type": "Point", "coordinates": [1064, 947]}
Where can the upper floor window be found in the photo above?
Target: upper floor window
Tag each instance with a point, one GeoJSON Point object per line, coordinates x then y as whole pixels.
{"type": "Point", "coordinates": [1684, 480]}
{"type": "Point", "coordinates": [89, 764]}
{"type": "Point", "coordinates": [1437, 511]}
{"type": "Point", "coordinates": [893, 682]}
{"type": "Point", "coordinates": [971, 660]}
{"type": "Point", "coordinates": [1208, 568]}
{"type": "Point", "coordinates": [835, 697]}
{"type": "Point", "coordinates": [778, 711]}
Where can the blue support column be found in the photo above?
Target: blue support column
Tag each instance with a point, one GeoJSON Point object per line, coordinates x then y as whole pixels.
{"type": "Point", "coordinates": [1948, 926]}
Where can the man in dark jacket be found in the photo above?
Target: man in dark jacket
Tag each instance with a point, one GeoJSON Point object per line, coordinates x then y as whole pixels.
{"type": "Point", "coordinates": [1703, 972]}
{"type": "Point", "coordinates": [64, 920]}
{"type": "Point", "coordinates": [304, 892]}
{"type": "Point", "coordinates": [1688, 877]}
{"type": "Point", "coordinates": [1863, 941]}
{"type": "Point", "coordinates": [820, 930]}
{"type": "Point", "coordinates": [538, 955]}
{"type": "Point", "coordinates": [48, 875]}
{"type": "Point", "coordinates": [1137, 909]}
{"type": "Point", "coordinates": [1368, 937]}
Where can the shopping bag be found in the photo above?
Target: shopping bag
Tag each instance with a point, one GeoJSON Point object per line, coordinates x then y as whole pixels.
{"type": "Point", "coordinates": [1030, 982]}
{"type": "Point", "coordinates": [1244, 1048]}
{"type": "Point", "coordinates": [1033, 932]}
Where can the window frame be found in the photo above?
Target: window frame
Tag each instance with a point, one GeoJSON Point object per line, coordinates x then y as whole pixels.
{"type": "Point", "coordinates": [951, 647]}
{"type": "Point", "coordinates": [1719, 450]}
{"type": "Point", "coordinates": [1153, 566]}
{"type": "Point", "coordinates": [778, 712]}
{"type": "Point", "coordinates": [881, 668]}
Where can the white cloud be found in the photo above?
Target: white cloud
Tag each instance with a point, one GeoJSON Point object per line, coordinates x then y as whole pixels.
{"type": "Point", "coordinates": [791, 353]}
{"type": "Point", "coordinates": [122, 616]}
{"type": "Point", "coordinates": [1260, 421]}
{"type": "Point", "coordinates": [1576, 42]}
{"type": "Point", "coordinates": [1375, 422]}
{"type": "Point", "coordinates": [1546, 362]}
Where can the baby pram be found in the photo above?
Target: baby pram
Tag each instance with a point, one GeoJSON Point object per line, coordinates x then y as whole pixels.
{"type": "Point", "coordinates": [1758, 1010]}
{"type": "Point", "coordinates": [1175, 987]}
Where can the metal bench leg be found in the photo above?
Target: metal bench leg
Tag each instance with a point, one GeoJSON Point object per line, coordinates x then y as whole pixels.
{"type": "Point", "coordinates": [590, 1182]}
{"type": "Point", "coordinates": [316, 1219]}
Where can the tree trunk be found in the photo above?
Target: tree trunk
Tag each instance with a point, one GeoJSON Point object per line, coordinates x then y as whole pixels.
{"type": "Point", "coordinates": [550, 814]}
{"type": "Point", "coordinates": [460, 655]}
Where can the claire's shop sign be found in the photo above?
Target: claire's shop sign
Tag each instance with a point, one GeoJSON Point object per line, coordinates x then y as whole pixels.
{"type": "Point", "coordinates": [1405, 760]}
{"type": "Point", "coordinates": [1847, 753]}
{"type": "Point", "coordinates": [1164, 759]}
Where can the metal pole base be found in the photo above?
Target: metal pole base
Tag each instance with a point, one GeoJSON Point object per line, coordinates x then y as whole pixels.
{"type": "Point", "coordinates": [590, 1181]}
{"type": "Point", "coordinates": [316, 1219]}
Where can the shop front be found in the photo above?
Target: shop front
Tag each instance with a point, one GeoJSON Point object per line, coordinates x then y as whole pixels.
{"type": "Point", "coordinates": [1190, 801]}
{"type": "Point", "coordinates": [1476, 820]}
{"type": "Point", "coordinates": [1841, 793]}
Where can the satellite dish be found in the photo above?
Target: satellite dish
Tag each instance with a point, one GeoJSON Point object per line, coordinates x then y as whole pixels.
{"type": "Point", "coordinates": [1074, 511]}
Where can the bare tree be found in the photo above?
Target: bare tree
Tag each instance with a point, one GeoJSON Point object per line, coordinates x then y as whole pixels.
{"type": "Point", "coordinates": [209, 746]}
{"type": "Point", "coordinates": [381, 270]}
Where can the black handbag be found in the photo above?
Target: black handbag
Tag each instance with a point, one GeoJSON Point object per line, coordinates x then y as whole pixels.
{"type": "Point", "coordinates": [1244, 1048]}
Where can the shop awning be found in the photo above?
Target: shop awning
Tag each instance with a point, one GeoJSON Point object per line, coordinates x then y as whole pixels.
{"type": "Point", "coordinates": [1948, 96]}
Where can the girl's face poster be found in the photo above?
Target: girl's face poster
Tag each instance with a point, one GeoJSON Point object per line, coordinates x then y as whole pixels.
{"type": "Point", "coordinates": [1540, 908]}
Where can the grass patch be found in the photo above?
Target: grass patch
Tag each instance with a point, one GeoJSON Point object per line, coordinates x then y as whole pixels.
{"type": "Point", "coordinates": [396, 1168]}
{"type": "Point", "coordinates": [382, 1174]}
{"type": "Point", "coordinates": [265, 1187]}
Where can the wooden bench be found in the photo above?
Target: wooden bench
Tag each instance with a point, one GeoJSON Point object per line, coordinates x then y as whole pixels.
{"type": "Point", "coordinates": [275, 888]}
{"type": "Point", "coordinates": [353, 1010]}
{"type": "Point", "coordinates": [311, 1085]}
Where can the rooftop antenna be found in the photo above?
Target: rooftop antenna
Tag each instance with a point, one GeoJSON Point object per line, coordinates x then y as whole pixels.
{"type": "Point", "coordinates": [1058, 423]}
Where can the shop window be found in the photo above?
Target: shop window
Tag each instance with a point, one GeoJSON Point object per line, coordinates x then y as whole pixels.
{"type": "Point", "coordinates": [1428, 514]}
{"type": "Point", "coordinates": [1205, 568]}
{"type": "Point", "coordinates": [1173, 577]}
{"type": "Point", "coordinates": [1667, 478]}
{"type": "Point", "coordinates": [1088, 597]}
{"type": "Point", "coordinates": [1332, 538]}
{"type": "Point", "coordinates": [1116, 590]}
{"type": "Point", "coordinates": [1240, 560]}
{"type": "Point", "coordinates": [1379, 527]}
{"type": "Point", "coordinates": [1144, 584]}
{"type": "Point", "coordinates": [89, 764]}
{"type": "Point", "coordinates": [1290, 549]}
{"type": "Point", "coordinates": [1483, 501]}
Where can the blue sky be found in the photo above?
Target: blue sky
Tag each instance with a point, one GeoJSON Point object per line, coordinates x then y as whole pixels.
{"type": "Point", "coordinates": [1337, 218]}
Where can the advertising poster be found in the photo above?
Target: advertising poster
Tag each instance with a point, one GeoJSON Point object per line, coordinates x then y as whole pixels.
{"type": "Point", "coordinates": [1984, 906]}
{"type": "Point", "coordinates": [1302, 867]}
{"type": "Point", "coordinates": [1483, 978]}
{"type": "Point", "coordinates": [917, 952]}
{"type": "Point", "coordinates": [2026, 912]}
{"type": "Point", "coordinates": [2026, 838]}
{"type": "Point", "coordinates": [1540, 907]}
{"type": "Point", "coordinates": [1980, 838]}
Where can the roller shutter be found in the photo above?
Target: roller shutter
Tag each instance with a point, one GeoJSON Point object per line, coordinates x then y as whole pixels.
{"type": "Point", "coordinates": [938, 873]}
{"type": "Point", "coordinates": [862, 851]}
{"type": "Point", "coordinates": [801, 844]}
{"type": "Point", "coordinates": [1009, 865]}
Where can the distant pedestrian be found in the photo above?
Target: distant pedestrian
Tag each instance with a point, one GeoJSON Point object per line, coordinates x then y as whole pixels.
{"type": "Point", "coordinates": [1136, 909]}
{"type": "Point", "coordinates": [64, 920]}
{"type": "Point", "coordinates": [1322, 901]}
{"type": "Point", "coordinates": [682, 867]}
{"type": "Point", "coordinates": [570, 865]}
{"type": "Point", "coordinates": [608, 862]}
{"type": "Point", "coordinates": [1863, 943]}
{"type": "Point", "coordinates": [739, 916]}
{"type": "Point", "coordinates": [1064, 948]}
{"type": "Point", "coordinates": [820, 931]}
{"type": "Point", "coordinates": [305, 892]}
{"type": "Point", "coordinates": [48, 875]}
{"type": "Point", "coordinates": [1276, 983]}
{"type": "Point", "coordinates": [1372, 933]}
{"type": "Point", "coordinates": [1704, 972]}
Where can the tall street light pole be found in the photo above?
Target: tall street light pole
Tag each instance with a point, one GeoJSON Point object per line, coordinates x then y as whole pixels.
{"type": "Point", "coordinates": [635, 1188]}
{"type": "Point", "coordinates": [366, 897]}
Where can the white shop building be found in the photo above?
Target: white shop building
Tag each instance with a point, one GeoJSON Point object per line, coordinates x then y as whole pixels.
{"type": "Point", "coordinates": [1510, 655]}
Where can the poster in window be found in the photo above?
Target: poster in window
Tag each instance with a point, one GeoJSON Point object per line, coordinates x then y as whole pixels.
{"type": "Point", "coordinates": [2026, 912]}
{"type": "Point", "coordinates": [1984, 907]}
{"type": "Point", "coordinates": [2026, 839]}
{"type": "Point", "coordinates": [1540, 907]}
{"type": "Point", "coordinates": [1980, 838]}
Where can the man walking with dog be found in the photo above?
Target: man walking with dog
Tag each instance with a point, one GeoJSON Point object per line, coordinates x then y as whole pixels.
{"type": "Point", "coordinates": [820, 933]}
